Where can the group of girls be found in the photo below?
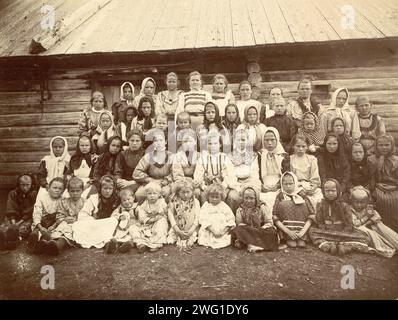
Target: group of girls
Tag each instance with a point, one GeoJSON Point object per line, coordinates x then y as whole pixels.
{"type": "Point", "coordinates": [185, 167]}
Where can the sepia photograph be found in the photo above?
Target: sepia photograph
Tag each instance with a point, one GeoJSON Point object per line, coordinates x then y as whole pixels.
{"type": "Point", "coordinates": [220, 151]}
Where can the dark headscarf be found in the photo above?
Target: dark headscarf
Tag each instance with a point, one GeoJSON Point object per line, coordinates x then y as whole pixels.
{"type": "Point", "coordinates": [217, 119]}
{"type": "Point", "coordinates": [108, 159]}
{"type": "Point", "coordinates": [107, 205]}
{"type": "Point", "coordinates": [147, 120]}
{"type": "Point", "coordinates": [78, 156]}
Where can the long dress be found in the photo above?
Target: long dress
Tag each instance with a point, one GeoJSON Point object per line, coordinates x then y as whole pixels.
{"type": "Point", "coordinates": [218, 217]}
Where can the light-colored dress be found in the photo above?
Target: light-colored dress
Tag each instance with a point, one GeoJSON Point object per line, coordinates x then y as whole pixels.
{"type": "Point", "coordinates": [150, 234]}
{"type": "Point", "coordinates": [126, 218]}
{"type": "Point", "coordinates": [218, 217]}
{"type": "Point", "coordinates": [44, 205]}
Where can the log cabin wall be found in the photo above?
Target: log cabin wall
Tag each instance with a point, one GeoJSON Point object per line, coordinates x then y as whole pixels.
{"type": "Point", "coordinates": [39, 101]}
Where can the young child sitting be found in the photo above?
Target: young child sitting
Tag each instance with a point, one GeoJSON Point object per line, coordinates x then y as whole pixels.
{"type": "Point", "coordinates": [335, 232]}
{"type": "Point", "coordinates": [89, 118]}
{"type": "Point", "coordinates": [255, 230]}
{"type": "Point", "coordinates": [67, 213]}
{"type": "Point", "coordinates": [44, 215]}
{"type": "Point", "coordinates": [151, 231]}
{"type": "Point", "coordinates": [183, 124]}
{"type": "Point", "coordinates": [183, 215]}
{"type": "Point", "coordinates": [19, 211]}
{"type": "Point", "coordinates": [382, 239]}
{"type": "Point", "coordinates": [293, 213]}
{"type": "Point", "coordinates": [362, 171]}
{"type": "Point", "coordinates": [345, 141]}
{"type": "Point", "coordinates": [216, 219]}
{"type": "Point", "coordinates": [126, 99]}
{"type": "Point", "coordinates": [125, 214]}
{"type": "Point", "coordinates": [105, 130]}
{"type": "Point", "coordinates": [310, 128]}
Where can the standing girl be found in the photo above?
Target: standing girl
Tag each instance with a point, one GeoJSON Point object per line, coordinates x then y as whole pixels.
{"type": "Point", "coordinates": [119, 108]}
{"type": "Point", "coordinates": [255, 128]}
{"type": "Point", "coordinates": [362, 171]}
{"type": "Point", "coordinates": [89, 118]}
{"type": "Point", "coordinates": [125, 126]}
{"type": "Point", "coordinates": [148, 88]}
{"type": "Point", "coordinates": [231, 121]}
{"type": "Point", "coordinates": [194, 101]}
{"type": "Point", "coordinates": [145, 119]}
{"type": "Point", "coordinates": [221, 95]}
{"type": "Point", "coordinates": [245, 94]}
{"type": "Point", "coordinates": [168, 99]}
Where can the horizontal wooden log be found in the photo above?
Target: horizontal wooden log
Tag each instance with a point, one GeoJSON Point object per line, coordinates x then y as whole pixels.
{"type": "Point", "coordinates": [23, 156]}
{"type": "Point", "coordinates": [365, 84]}
{"type": "Point", "coordinates": [68, 84]}
{"type": "Point", "coordinates": [7, 182]}
{"type": "Point", "coordinates": [31, 144]}
{"type": "Point", "coordinates": [12, 168]}
{"type": "Point", "coordinates": [35, 97]}
{"type": "Point", "coordinates": [39, 119]}
{"type": "Point", "coordinates": [19, 85]}
{"type": "Point", "coordinates": [376, 97]}
{"type": "Point", "coordinates": [45, 108]}
{"type": "Point", "coordinates": [38, 131]}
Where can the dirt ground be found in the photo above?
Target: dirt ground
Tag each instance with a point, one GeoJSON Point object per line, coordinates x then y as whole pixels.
{"type": "Point", "coordinates": [202, 274]}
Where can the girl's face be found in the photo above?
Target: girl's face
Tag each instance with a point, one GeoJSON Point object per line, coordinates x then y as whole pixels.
{"type": "Point", "coordinates": [338, 127]}
{"type": "Point", "coordinates": [105, 122]}
{"type": "Point", "coordinates": [384, 147]}
{"type": "Point", "coordinates": [245, 91]}
{"type": "Point", "coordinates": [127, 201]}
{"type": "Point", "coordinates": [341, 99]}
{"type": "Point", "coordinates": [305, 90]}
{"type": "Point", "coordinates": [149, 88]}
{"type": "Point", "coordinates": [332, 145]}
{"type": "Point", "coordinates": [183, 123]}
{"type": "Point", "coordinates": [75, 193]}
{"type": "Point", "coordinates": [127, 92]}
{"type": "Point", "coordinates": [171, 83]}
{"type": "Point", "coordinates": [115, 146]}
{"type": "Point", "coordinates": [152, 196]}
{"type": "Point", "coordinates": [241, 141]}
{"type": "Point", "coordinates": [252, 116]}
{"type": "Point", "coordinates": [195, 82]}
{"type": "Point", "coordinates": [98, 103]}
{"type": "Point", "coordinates": [185, 194]}
{"type": "Point", "coordinates": [270, 141]}
{"type": "Point", "coordinates": [213, 145]}
{"type": "Point", "coordinates": [364, 107]}
{"type": "Point", "coordinates": [130, 115]}
{"type": "Point", "coordinates": [215, 199]}
{"type": "Point", "coordinates": [84, 145]}
{"type": "Point", "coordinates": [359, 203]}
{"type": "Point", "coordinates": [309, 123]}
{"type": "Point", "coordinates": [107, 190]}
{"type": "Point", "coordinates": [275, 93]}
{"type": "Point", "coordinates": [300, 147]}
{"type": "Point", "coordinates": [280, 108]}
{"type": "Point", "coordinates": [159, 142]}
{"type": "Point", "coordinates": [288, 183]}
{"type": "Point", "coordinates": [210, 113]}
{"type": "Point", "coordinates": [231, 114]}
{"type": "Point", "coordinates": [161, 123]}
{"type": "Point", "coordinates": [219, 85]}
{"type": "Point", "coordinates": [146, 108]}
{"type": "Point", "coordinates": [135, 142]}
{"type": "Point", "coordinates": [25, 183]}
{"type": "Point", "coordinates": [249, 198]}
{"type": "Point", "coordinates": [58, 147]}
{"type": "Point", "coordinates": [330, 190]}
{"type": "Point", "coordinates": [56, 189]}
{"type": "Point", "coordinates": [358, 153]}
{"type": "Point", "coordinates": [188, 143]}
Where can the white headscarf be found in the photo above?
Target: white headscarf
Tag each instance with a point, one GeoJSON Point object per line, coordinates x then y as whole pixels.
{"type": "Point", "coordinates": [129, 102]}
{"type": "Point", "coordinates": [345, 112]}
{"type": "Point", "coordinates": [297, 199]}
{"type": "Point", "coordinates": [143, 84]}
{"type": "Point", "coordinates": [108, 133]}
{"type": "Point", "coordinates": [279, 148]}
{"type": "Point", "coordinates": [55, 166]}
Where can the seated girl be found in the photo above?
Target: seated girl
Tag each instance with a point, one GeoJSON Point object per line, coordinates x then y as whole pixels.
{"type": "Point", "coordinates": [126, 216]}
{"type": "Point", "coordinates": [221, 95]}
{"type": "Point", "coordinates": [214, 167]}
{"type": "Point", "coordinates": [82, 162]}
{"type": "Point", "coordinates": [362, 171]}
{"type": "Point", "coordinates": [245, 160]}
{"type": "Point", "coordinates": [183, 125]}
{"type": "Point", "coordinates": [19, 210]}
{"type": "Point", "coordinates": [305, 167]}
{"type": "Point", "coordinates": [44, 215]}
{"type": "Point", "coordinates": [254, 229]}
{"type": "Point", "coordinates": [333, 163]}
{"type": "Point", "coordinates": [183, 215]}
{"type": "Point", "coordinates": [119, 108]}
{"type": "Point", "coordinates": [231, 122]}
{"type": "Point", "coordinates": [126, 125]}
{"type": "Point", "coordinates": [155, 165]}
{"type": "Point", "coordinates": [216, 219]}
{"type": "Point", "coordinates": [366, 125]}
{"type": "Point", "coordinates": [386, 176]}
{"type": "Point", "coordinates": [252, 124]}
{"type": "Point", "coordinates": [274, 161]}
{"type": "Point", "coordinates": [334, 232]}
{"type": "Point", "coordinates": [89, 118]}
{"type": "Point", "coordinates": [293, 213]}
{"type": "Point", "coordinates": [67, 213]}
{"type": "Point", "coordinates": [150, 233]}
{"type": "Point", "coordinates": [105, 130]}
{"type": "Point", "coordinates": [345, 140]}
{"type": "Point", "coordinates": [95, 226]}
{"type": "Point", "coordinates": [127, 160]}
{"type": "Point", "coordinates": [310, 128]}
{"type": "Point", "coordinates": [366, 219]}
{"type": "Point", "coordinates": [145, 119]}
{"type": "Point", "coordinates": [245, 99]}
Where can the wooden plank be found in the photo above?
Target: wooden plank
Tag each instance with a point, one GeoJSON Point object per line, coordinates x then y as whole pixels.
{"type": "Point", "coordinates": [365, 84]}
{"type": "Point", "coordinates": [183, 23]}
{"type": "Point", "coordinates": [8, 181]}
{"type": "Point", "coordinates": [280, 29]}
{"type": "Point", "coordinates": [15, 168]}
{"type": "Point", "coordinates": [20, 97]}
{"type": "Point", "coordinates": [260, 24]}
{"type": "Point", "coordinates": [22, 156]}
{"type": "Point", "coordinates": [34, 97]}
{"type": "Point", "coordinates": [70, 95]}
{"type": "Point", "coordinates": [376, 97]}
{"type": "Point", "coordinates": [207, 28]}
{"type": "Point", "coordinates": [191, 34]}
{"type": "Point", "coordinates": [74, 84]}
{"type": "Point", "coordinates": [162, 34]}
{"type": "Point", "coordinates": [224, 11]}
{"type": "Point", "coordinates": [19, 85]}
{"type": "Point", "coordinates": [45, 108]}
{"type": "Point", "coordinates": [38, 131]}
{"type": "Point", "coordinates": [241, 26]}
{"type": "Point", "coordinates": [70, 74]}
{"type": "Point", "coordinates": [30, 144]}
{"type": "Point", "coordinates": [289, 11]}
{"type": "Point", "coordinates": [39, 119]}
{"type": "Point", "coordinates": [320, 27]}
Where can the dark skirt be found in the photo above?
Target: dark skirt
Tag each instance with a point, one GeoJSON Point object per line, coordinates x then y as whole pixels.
{"type": "Point", "coordinates": [264, 238]}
